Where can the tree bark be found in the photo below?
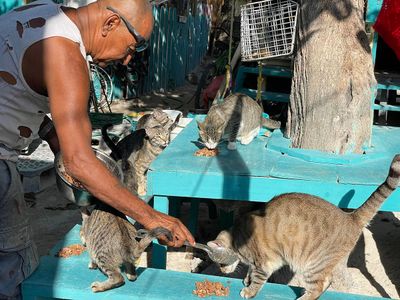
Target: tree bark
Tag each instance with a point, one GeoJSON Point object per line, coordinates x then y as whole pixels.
{"type": "Point", "coordinates": [330, 103]}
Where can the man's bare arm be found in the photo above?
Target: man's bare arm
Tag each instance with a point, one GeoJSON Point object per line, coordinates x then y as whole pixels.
{"type": "Point", "coordinates": [67, 85]}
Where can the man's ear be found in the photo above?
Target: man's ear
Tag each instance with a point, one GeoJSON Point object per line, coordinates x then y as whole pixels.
{"type": "Point", "coordinates": [111, 23]}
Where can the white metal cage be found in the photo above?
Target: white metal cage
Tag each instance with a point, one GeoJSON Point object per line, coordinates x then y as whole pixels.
{"type": "Point", "coordinates": [268, 29]}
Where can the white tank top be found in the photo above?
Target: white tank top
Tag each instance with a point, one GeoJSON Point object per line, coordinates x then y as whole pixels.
{"type": "Point", "coordinates": [20, 106]}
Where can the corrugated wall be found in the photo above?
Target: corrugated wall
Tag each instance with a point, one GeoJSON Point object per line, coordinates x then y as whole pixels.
{"type": "Point", "coordinates": [176, 48]}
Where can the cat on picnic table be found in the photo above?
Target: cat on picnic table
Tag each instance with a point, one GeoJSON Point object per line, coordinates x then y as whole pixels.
{"type": "Point", "coordinates": [238, 117]}
{"type": "Point", "coordinates": [310, 235]}
{"type": "Point", "coordinates": [111, 243]}
{"type": "Point", "coordinates": [137, 150]}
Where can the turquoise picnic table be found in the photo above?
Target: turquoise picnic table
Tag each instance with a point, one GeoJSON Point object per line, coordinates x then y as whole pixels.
{"type": "Point", "coordinates": [70, 278]}
{"type": "Point", "coordinates": [265, 168]}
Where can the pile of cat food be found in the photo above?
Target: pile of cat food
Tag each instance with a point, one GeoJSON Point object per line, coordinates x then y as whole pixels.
{"type": "Point", "coordinates": [207, 288]}
{"type": "Point", "coordinates": [206, 152]}
{"type": "Point", "coordinates": [72, 180]}
{"type": "Point", "coordinates": [75, 249]}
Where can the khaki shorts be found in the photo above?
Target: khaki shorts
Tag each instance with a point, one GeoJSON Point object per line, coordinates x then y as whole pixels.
{"type": "Point", "coordinates": [18, 254]}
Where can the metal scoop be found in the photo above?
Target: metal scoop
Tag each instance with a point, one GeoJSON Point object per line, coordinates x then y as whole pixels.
{"type": "Point", "coordinates": [217, 254]}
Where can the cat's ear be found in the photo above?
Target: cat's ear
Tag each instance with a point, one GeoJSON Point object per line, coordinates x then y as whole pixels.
{"type": "Point", "coordinates": [157, 113]}
{"type": "Point", "coordinates": [169, 124]}
{"type": "Point", "coordinates": [85, 213]}
{"type": "Point", "coordinates": [200, 125]}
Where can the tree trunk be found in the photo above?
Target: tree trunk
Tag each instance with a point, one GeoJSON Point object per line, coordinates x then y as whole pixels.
{"type": "Point", "coordinates": [330, 103]}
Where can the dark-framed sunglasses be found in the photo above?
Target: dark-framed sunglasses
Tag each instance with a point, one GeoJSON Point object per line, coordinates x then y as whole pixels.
{"type": "Point", "coordinates": [141, 43]}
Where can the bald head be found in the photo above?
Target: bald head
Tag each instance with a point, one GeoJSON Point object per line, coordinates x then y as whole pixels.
{"type": "Point", "coordinates": [138, 12]}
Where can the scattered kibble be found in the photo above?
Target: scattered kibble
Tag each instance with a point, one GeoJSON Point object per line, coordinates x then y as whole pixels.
{"type": "Point", "coordinates": [206, 152]}
{"type": "Point", "coordinates": [75, 249]}
{"type": "Point", "coordinates": [207, 288]}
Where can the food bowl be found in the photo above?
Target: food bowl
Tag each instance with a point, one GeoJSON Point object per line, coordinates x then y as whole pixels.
{"type": "Point", "coordinates": [73, 192]}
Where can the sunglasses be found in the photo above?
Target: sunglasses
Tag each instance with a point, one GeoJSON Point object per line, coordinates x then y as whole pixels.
{"type": "Point", "coordinates": [141, 43]}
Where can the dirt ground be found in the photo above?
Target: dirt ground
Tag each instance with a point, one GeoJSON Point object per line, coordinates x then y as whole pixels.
{"type": "Point", "coordinates": [374, 265]}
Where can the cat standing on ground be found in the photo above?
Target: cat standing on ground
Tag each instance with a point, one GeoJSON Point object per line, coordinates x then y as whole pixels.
{"type": "Point", "coordinates": [110, 240]}
{"type": "Point", "coordinates": [238, 117]}
{"type": "Point", "coordinates": [310, 235]}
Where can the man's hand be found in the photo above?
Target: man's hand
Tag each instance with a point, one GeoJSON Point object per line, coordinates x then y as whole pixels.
{"type": "Point", "coordinates": [179, 232]}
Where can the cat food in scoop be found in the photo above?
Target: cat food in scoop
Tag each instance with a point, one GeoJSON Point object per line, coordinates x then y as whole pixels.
{"type": "Point", "coordinates": [72, 180]}
{"type": "Point", "coordinates": [206, 152]}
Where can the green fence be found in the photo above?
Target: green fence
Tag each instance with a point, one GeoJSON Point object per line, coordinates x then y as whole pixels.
{"type": "Point", "coordinates": [176, 48]}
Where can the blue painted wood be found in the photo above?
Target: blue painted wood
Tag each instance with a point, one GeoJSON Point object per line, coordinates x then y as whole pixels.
{"type": "Point", "coordinates": [159, 257]}
{"type": "Point", "coordinates": [6, 5]}
{"type": "Point", "coordinates": [163, 46]}
{"type": "Point", "coordinates": [373, 9]}
{"type": "Point", "coordinates": [374, 46]}
{"type": "Point", "coordinates": [70, 278]}
{"type": "Point", "coordinates": [156, 53]}
{"type": "Point", "coordinates": [185, 49]}
{"type": "Point", "coordinates": [276, 71]}
{"type": "Point", "coordinates": [382, 86]}
{"type": "Point", "coordinates": [256, 173]}
{"type": "Point", "coordinates": [265, 96]}
{"type": "Point", "coordinates": [194, 215]}
{"type": "Point", "coordinates": [170, 40]}
{"type": "Point", "coordinates": [377, 151]}
{"type": "Point", "coordinates": [173, 56]}
{"type": "Point", "coordinates": [189, 52]}
{"type": "Point", "coordinates": [387, 107]}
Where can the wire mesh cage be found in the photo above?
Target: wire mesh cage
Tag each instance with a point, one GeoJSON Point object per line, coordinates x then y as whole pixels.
{"type": "Point", "coordinates": [268, 29]}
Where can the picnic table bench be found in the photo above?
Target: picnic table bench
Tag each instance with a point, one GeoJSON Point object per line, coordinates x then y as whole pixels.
{"type": "Point", "coordinates": [70, 278]}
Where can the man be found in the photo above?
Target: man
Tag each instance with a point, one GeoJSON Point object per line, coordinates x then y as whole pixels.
{"type": "Point", "coordinates": [43, 69]}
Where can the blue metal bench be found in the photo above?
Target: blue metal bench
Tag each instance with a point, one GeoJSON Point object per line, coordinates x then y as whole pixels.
{"type": "Point", "coordinates": [70, 278]}
{"type": "Point", "coordinates": [275, 71]}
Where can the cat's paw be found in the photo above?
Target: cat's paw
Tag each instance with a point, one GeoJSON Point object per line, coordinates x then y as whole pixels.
{"type": "Point", "coordinates": [231, 145]}
{"type": "Point", "coordinates": [97, 287]}
{"type": "Point", "coordinates": [247, 293]}
{"type": "Point", "coordinates": [246, 141]}
{"type": "Point", "coordinates": [131, 277]}
{"type": "Point", "coordinates": [92, 265]}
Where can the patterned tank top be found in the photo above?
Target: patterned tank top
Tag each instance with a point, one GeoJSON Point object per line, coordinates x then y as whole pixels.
{"type": "Point", "coordinates": [21, 108]}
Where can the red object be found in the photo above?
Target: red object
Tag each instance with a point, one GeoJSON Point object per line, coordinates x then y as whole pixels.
{"type": "Point", "coordinates": [388, 24]}
{"type": "Point", "coordinates": [211, 91]}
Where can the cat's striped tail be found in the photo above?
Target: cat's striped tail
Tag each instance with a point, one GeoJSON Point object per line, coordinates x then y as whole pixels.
{"type": "Point", "coordinates": [270, 124]}
{"type": "Point", "coordinates": [152, 234]}
{"type": "Point", "coordinates": [367, 211]}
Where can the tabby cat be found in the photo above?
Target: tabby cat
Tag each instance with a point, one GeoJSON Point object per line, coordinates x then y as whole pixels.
{"type": "Point", "coordinates": [238, 117]}
{"type": "Point", "coordinates": [157, 118]}
{"type": "Point", "coordinates": [110, 241]}
{"type": "Point", "coordinates": [310, 235]}
{"type": "Point", "coordinates": [137, 150]}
